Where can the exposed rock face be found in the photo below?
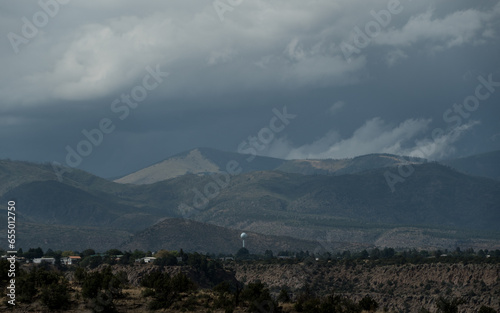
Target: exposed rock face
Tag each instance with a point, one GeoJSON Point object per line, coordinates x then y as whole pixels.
{"type": "Point", "coordinates": [399, 288]}
{"type": "Point", "coordinates": [405, 288]}
{"type": "Point", "coordinates": [136, 272]}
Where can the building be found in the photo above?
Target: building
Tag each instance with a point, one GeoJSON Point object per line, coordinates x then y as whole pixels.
{"type": "Point", "coordinates": [44, 260]}
{"type": "Point", "coordinates": [148, 259]}
{"type": "Point", "coordinates": [71, 260]}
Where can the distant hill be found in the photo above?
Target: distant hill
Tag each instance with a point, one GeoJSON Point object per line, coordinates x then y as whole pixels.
{"type": "Point", "coordinates": [446, 207]}
{"type": "Point", "coordinates": [435, 204]}
{"type": "Point", "coordinates": [174, 234]}
{"type": "Point", "coordinates": [15, 173]}
{"type": "Point", "coordinates": [52, 202]}
{"type": "Point", "coordinates": [205, 161]}
{"type": "Point", "coordinates": [433, 195]}
{"type": "Point", "coordinates": [197, 161]}
{"type": "Point", "coordinates": [81, 212]}
{"type": "Point", "coordinates": [67, 237]}
{"type": "Point", "coordinates": [346, 166]}
{"type": "Point", "coordinates": [484, 164]}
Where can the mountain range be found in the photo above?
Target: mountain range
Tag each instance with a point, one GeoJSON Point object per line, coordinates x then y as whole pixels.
{"type": "Point", "coordinates": [201, 199]}
{"type": "Point", "coordinates": [206, 160]}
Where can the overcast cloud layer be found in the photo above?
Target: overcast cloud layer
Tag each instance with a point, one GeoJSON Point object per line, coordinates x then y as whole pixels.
{"type": "Point", "coordinates": [361, 78]}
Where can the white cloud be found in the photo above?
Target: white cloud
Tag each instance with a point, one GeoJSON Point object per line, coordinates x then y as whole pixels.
{"type": "Point", "coordinates": [89, 50]}
{"type": "Point", "coordinates": [221, 56]}
{"type": "Point", "coordinates": [456, 29]}
{"type": "Point", "coordinates": [495, 137]}
{"type": "Point", "coordinates": [409, 138]}
{"type": "Point", "coordinates": [336, 107]}
{"type": "Point", "coordinates": [375, 136]}
{"type": "Point", "coordinates": [87, 58]}
{"type": "Point", "coordinates": [440, 147]}
{"type": "Point", "coordinates": [395, 56]}
{"type": "Point", "coordinates": [294, 50]}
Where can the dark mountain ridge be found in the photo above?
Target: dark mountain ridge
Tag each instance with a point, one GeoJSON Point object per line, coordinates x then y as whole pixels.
{"type": "Point", "coordinates": [435, 201]}
{"type": "Point", "coordinates": [484, 164]}
{"type": "Point", "coordinates": [175, 234]}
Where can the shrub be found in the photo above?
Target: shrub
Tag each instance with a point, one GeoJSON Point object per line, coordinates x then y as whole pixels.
{"type": "Point", "coordinates": [25, 289]}
{"type": "Point", "coordinates": [225, 299]}
{"type": "Point", "coordinates": [368, 304]}
{"type": "Point", "coordinates": [165, 289]}
{"type": "Point", "coordinates": [486, 309]}
{"type": "Point", "coordinates": [55, 296]}
{"type": "Point", "coordinates": [448, 306]}
{"type": "Point", "coordinates": [168, 260]}
{"type": "Point", "coordinates": [284, 296]}
{"type": "Point", "coordinates": [28, 283]}
{"type": "Point", "coordinates": [259, 298]}
{"type": "Point", "coordinates": [101, 288]}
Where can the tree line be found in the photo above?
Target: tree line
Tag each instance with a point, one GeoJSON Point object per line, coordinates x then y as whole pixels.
{"type": "Point", "coordinates": [93, 281]}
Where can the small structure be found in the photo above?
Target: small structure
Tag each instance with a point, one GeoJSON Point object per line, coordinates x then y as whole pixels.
{"type": "Point", "coordinates": [44, 260]}
{"type": "Point", "coordinates": [148, 259]}
{"type": "Point", "coordinates": [73, 259]}
{"type": "Point", "coordinates": [243, 237]}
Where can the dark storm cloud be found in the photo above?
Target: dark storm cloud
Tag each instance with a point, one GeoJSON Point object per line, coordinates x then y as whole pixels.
{"type": "Point", "coordinates": [385, 94]}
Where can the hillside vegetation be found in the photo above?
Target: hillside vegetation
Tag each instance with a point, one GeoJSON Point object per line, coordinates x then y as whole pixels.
{"type": "Point", "coordinates": [375, 281]}
{"type": "Point", "coordinates": [435, 207]}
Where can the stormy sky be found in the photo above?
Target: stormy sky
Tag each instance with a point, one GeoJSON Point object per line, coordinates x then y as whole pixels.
{"type": "Point", "coordinates": [119, 84]}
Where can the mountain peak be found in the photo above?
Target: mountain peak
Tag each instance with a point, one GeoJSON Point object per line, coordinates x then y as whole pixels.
{"type": "Point", "coordinates": [198, 161]}
{"type": "Point", "coordinates": [192, 161]}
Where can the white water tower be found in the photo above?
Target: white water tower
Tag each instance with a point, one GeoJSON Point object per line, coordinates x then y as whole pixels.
{"type": "Point", "coordinates": [243, 236]}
